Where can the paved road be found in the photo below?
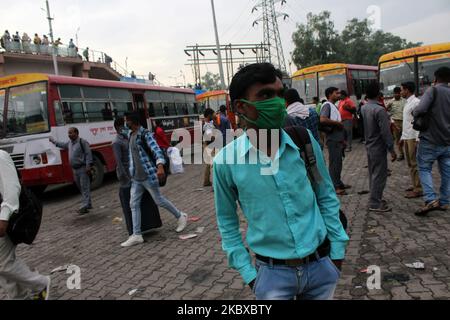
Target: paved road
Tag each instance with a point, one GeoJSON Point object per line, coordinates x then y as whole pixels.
{"type": "Point", "coordinates": [168, 268]}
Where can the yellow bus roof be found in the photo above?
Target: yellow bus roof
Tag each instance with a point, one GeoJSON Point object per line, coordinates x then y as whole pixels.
{"type": "Point", "coordinates": [20, 79]}
{"type": "Point", "coordinates": [434, 48]}
{"type": "Point", "coordinates": [318, 68]}
{"type": "Point", "coordinates": [209, 94]}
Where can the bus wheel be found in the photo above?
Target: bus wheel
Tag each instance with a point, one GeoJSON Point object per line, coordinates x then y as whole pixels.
{"type": "Point", "coordinates": [98, 172]}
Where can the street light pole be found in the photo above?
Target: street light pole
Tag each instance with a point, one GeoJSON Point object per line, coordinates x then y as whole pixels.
{"type": "Point", "coordinates": [219, 55]}
{"type": "Point", "coordinates": [55, 62]}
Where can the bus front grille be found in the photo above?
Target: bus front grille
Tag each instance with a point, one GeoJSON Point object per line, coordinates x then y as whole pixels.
{"type": "Point", "coordinates": [19, 160]}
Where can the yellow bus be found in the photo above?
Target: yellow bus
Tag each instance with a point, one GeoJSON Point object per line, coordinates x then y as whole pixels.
{"type": "Point", "coordinates": [416, 64]}
{"type": "Point", "coordinates": [313, 81]}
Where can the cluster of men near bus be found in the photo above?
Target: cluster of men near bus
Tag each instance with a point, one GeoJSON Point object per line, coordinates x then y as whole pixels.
{"type": "Point", "coordinates": [293, 222]}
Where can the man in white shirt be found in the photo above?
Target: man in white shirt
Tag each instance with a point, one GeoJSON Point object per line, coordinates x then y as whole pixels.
{"type": "Point", "coordinates": [15, 277]}
{"type": "Point", "coordinates": [410, 138]}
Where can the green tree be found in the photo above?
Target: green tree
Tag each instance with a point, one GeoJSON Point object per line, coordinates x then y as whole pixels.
{"type": "Point", "coordinates": [318, 42]}
{"type": "Point", "coordinates": [211, 81]}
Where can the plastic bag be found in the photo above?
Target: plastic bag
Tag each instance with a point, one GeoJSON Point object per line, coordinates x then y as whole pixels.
{"type": "Point", "coordinates": [176, 161]}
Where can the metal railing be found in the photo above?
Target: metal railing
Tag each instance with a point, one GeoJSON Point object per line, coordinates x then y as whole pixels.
{"type": "Point", "coordinates": [31, 48]}
{"type": "Point", "coordinates": [24, 47]}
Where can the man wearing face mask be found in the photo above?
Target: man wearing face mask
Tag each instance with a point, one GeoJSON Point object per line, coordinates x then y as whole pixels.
{"type": "Point", "coordinates": [289, 221]}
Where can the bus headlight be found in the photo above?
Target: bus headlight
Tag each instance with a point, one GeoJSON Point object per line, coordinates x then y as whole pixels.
{"type": "Point", "coordinates": [39, 159]}
{"type": "Point", "coordinates": [36, 160]}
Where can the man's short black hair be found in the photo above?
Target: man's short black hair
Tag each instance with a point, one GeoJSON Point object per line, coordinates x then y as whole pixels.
{"type": "Point", "coordinates": [208, 112]}
{"type": "Point", "coordinates": [410, 86]}
{"type": "Point", "coordinates": [264, 73]}
{"type": "Point", "coordinates": [133, 117]}
{"type": "Point", "coordinates": [223, 108]}
{"type": "Point", "coordinates": [316, 99]}
{"type": "Point", "coordinates": [442, 75]}
{"type": "Point", "coordinates": [119, 122]}
{"type": "Point", "coordinates": [397, 90]}
{"type": "Point", "coordinates": [330, 91]}
{"type": "Point", "coordinates": [291, 96]}
{"type": "Point", "coordinates": [373, 91]}
{"type": "Point", "coordinates": [75, 130]}
{"type": "Point", "coordinates": [344, 94]}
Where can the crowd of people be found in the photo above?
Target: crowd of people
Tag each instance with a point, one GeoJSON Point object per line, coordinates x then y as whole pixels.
{"type": "Point", "coordinates": [289, 197]}
{"type": "Point", "coordinates": [17, 43]}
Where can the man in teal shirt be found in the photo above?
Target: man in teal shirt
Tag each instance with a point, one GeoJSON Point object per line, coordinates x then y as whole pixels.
{"type": "Point", "coordinates": [293, 228]}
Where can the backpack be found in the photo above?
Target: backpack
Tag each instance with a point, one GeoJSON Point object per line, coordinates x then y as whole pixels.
{"type": "Point", "coordinates": [24, 224]}
{"type": "Point", "coordinates": [149, 153]}
{"type": "Point", "coordinates": [301, 138]}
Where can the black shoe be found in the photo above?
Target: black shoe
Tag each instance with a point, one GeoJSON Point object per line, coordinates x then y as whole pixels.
{"type": "Point", "coordinates": [89, 207]}
{"type": "Point", "coordinates": [83, 211]}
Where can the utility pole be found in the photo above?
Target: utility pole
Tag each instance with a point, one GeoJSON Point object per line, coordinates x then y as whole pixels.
{"type": "Point", "coordinates": [272, 38]}
{"type": "Point", "coordinates": [219, 55]}
{"type": "Point", "coordinates": [55, 62]}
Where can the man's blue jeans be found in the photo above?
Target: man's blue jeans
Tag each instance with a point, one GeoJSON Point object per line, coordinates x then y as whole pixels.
{"type": "Point", "coordinates": [314, 281]}
{"type": "Point", "coordinates": [137, 190]}
{"type": "Point", "coordinates": [427, 154]}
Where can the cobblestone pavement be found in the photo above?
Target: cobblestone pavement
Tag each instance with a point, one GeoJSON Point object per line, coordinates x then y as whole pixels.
{"type": "Point", "coordinates": [168, 268]}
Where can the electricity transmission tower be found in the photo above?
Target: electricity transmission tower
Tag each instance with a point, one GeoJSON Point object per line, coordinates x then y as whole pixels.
{"type": "Point", "coordinates": [269, 19]}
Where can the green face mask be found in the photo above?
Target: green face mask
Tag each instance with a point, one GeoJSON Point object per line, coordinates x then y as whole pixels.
{"type": "Point", "coordinates": [272, 113]}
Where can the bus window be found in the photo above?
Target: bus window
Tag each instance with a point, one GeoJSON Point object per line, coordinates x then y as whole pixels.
{"type": "Point", "coordinates": [335, 78]}
{"type": "Point", "coordinates": [192, 108]}
{"type": "Point", "coordinates": [98, 111]}
{"type": "Point", "coordinates": [2, 106]}
{"type": "Point", "coordinates": [120, 108]}
{"type": "Point", "coordinates": [311, 89]}
{"type": "Point", "coordinates": [155, 109]}
{"type": "Point", "coordinates": [58, 114]}
{"type": "Point", "coordinates": [95, 93]}
{"type": "Point", "coordinates": [393, 74]}
{"type": "Point", "coordinates": [299, 85]}
{"type": "Point", "coordinates": [27, 110]}
{"type": "Point", "coordinates": [427, 67]}
{"type": "Point", "coordinates": [120, 94]}
{"type": "Point", "coordinates": [70, 92]}
{"type": "Point", "coordinates": [182, 109]}
{"type": "Point", "coordinates": [73, 112]}
{"type": "Point", "coordinates": [170, 109]}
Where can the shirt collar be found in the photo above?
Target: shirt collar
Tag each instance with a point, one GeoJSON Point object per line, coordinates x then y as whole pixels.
{"type": "Point", "coordinates": [410, 99]}
{"type": "Point", "coordinates": [244, 145]}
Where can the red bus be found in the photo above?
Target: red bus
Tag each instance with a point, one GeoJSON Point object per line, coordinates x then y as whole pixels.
{"type": "Point", "coordinates": [37, 106]}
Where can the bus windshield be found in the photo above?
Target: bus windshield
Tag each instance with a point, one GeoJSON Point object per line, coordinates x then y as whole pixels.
{"type": "Point", "coordinates": [27, 110]}
{"type": "Point", "coordinates": [392, 76]}
{"type": "Point", "coordinates": [329, 79]}
{"type": "Point", "coordinates": [427, 68]}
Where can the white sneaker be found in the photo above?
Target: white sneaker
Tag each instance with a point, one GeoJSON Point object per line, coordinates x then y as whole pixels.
{"type": "Point", "coordinates": [182, 222]}
{"type": "Point", "coordinates": [132, 241]}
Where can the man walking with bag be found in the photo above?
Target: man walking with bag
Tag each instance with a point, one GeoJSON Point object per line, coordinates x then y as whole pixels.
{"type": "Point", "coordinates": [293, 224]}
{"type": "Point", "coordinates": [434, 142]}
{"type": "Point", "coordinates": [146, 172]}
{"type": "Point", "coordinates": [80, 158]}
{"type": "Point", "coordinates": [16, 278]}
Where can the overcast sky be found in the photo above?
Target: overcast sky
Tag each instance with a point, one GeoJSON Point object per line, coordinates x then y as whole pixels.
{"type": "Point", "coordinates": [154, 33]}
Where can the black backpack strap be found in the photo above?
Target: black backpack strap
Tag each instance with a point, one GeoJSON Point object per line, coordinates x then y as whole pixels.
{"type": "Point", "coordinates": [302, 139]}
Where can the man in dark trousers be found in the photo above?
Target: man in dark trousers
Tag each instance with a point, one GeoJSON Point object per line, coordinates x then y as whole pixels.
{"type": "Point", "coordinates": [80, 158]}
{"type": "Point", "coordinates": [330, 118]}
{"type": "Point", "coordinates": [379, 141]}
